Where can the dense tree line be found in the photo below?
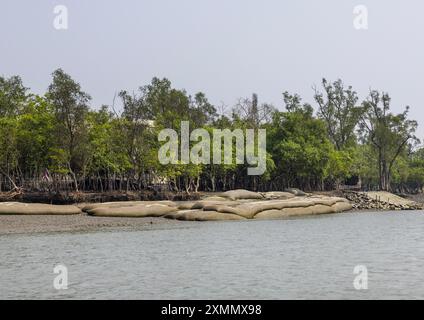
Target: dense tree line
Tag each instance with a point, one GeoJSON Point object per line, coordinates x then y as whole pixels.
{"type": "Point", "coordinates": [57, 142]}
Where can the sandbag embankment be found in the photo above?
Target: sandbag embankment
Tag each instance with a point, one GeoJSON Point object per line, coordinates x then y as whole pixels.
{"type": "Point", "coordinates": [138, 210]}
{"type": "Point", "coordinates": [316, 208]}
{"type": "Point", "coordinates": [296, 192]}
{"type": "Point", "coordinates": [200, 215]}
{"type": "Point", "coordinates": [122, 204]}
{"type": "Point", "coordinates": [278, 195]}
{"type": "Point", "coordinates": [189, 205]}
{"type": "Point", "coordinates": [19, 208]}
{"type": "Point", "coordinates": [239, 194]}
{"type": "Point", "coordinates": [230, 205]}
{"type": "Point", "coordinates": [252, 208]}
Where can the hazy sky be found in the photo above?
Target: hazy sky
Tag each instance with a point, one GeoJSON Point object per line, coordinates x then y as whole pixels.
{"type": "Point", "coordinates": [225, 48]}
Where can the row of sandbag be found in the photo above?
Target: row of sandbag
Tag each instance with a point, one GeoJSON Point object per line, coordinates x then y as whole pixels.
{"type": "Point", "coordinates": [19, 208]}
{"type": "Point", "coordinates": [213, 209]}
{"type": "Point", "coordinates": [149, 208]}
{"type": "Point", "coordinates": [126, 208]}
{"type": "Point", "coordinates": [260, 209]}
{"type": "Point", "coordinates": [235, 204]}
{"type": "Point", "coordinates": [240, 194]}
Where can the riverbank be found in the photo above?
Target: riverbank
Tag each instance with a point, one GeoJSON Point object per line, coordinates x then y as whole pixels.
{"type": "Point", "coordinates": [18, 217]}
{"type": "Point", "coordinates": [71, 198]}
{"type": "Point", "coordinates": [150, 215]}
{"type": "Point", "coordinates": [236, 204]}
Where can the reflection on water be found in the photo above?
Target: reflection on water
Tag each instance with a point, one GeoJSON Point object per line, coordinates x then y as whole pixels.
{"type": "Point", "coordinates": [284, 259]}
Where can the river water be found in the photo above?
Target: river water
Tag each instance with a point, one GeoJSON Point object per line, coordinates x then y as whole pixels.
{"type": "Point", "coordinates": [302, 258]}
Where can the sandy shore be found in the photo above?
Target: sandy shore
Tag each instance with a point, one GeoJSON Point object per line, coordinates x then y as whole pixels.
{"type": "Point", "coordinates": [15, 224]}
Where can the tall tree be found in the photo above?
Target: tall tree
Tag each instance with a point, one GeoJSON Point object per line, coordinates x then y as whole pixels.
{"type": "Point", "coordinates": [299, 146]}
{"type": "Point", "coordinates": [70, 105]}
{"type": "Point", "coordinates": [12, 96]}
{"type": "Point", "coordinates": [389, 134]}
{"type": "Point", "coordinates": [338, 108]}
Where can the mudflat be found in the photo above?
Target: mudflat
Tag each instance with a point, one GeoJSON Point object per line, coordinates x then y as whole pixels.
{"type": "Point", "coordinates": [16, 224]}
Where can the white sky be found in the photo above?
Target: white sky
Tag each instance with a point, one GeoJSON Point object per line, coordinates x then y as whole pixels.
{"type": "Point", "coordinates": [225, 48]}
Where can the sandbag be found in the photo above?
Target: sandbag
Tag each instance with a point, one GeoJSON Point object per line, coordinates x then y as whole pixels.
{"type": "Point", "coordinates": [249, 210]}
{"type": "Point", "coordinates": [186, 205]}
{"type": "Point", "coordinates": [215, 216]}
{"type": "Point", "coordinates": [176, 214]}
{"type": "Point", "coordinates": [215, 198]}
{"type": "Point", "coordinates": [121, 204]}
{"type": "Point", "coordinates": [281, 195]}
{"type": "Point", "coordinates": [182, 215]}
{"type": "Point", "coordinates": [299, 211]}
{"type": "Point", "coordinates": [19, 208]}
{"type": "Point", "coordinates": [322, 209]}
{"type": "Point", "coordinates": [92, 206]}
{"type": "Point", "coordinates": [277, 204]}
{"type": "Point", "coordinates": [241, 194]}
{"type": "Point", "coordinates": [324, 201]}
{"type": "Point", "coordinates": [338, 199]}
{"type": "Point", "coordinates": [221, 208]}
{"type": "Point", "coordinates": [284, 213]}
{"type": "Point", "coordinates": [341, 206]}
{"type": "Point", "coordinates": [146, 210]}
{"type": "Point", "coordinates": [203, 203]}
{"type": "Point", "coordinates": [296, 192]}
{"type": "Point", "coordinates": [270, 214]}
{"type": "Point", "coordinates": [200, 215]}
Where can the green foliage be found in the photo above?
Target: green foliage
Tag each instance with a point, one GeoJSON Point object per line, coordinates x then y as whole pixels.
{"type": "Point", "coordinates": [388, 134]}
{"type": "Point", "coordinates": [340, 165]}
{"type": "Point", "coordinates": [58, 138]}
{"type": "Point", "coordinates": [299, 145]}
{"type": "Point", "coordinates": [35, 134]}
{"type": "Point", "coordinates": [12, 96]}
{"type": "Point", "coordinates": [339, 110]}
